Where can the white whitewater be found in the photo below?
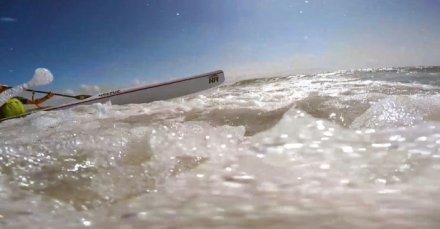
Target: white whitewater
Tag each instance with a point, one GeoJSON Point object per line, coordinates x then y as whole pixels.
{"type": "Point", "coordinates": [350, 149]}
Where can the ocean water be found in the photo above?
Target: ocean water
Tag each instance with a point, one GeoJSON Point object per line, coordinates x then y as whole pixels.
{"type": "Point", "coordinates": [346, 149]}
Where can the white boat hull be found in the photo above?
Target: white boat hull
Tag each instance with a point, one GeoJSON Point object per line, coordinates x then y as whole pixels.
{"type": "Point", "coordinates": [154, 92]}
{"type": "Point", "coordinates": [149, 93]}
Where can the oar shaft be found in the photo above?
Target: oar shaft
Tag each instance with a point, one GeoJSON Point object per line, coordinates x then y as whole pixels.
{"type": "Point", "coordinates": [47, 92]}
{"type": "Point", "coordinates": [80, 97]}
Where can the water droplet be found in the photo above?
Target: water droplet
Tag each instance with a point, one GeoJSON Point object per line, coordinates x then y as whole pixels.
{"type": "Point", "coordinates": [85, 222]}
{"type": "Point", "coordinates": [293, 145]}
{"type": "Point", "coordinates": [381, 145]}
{"type": "Point", "coordinates": [324, 166]}
{"type": "Point", "coordinates": [347, 149]}
{"type": "Point", "coordinates": [380, 181]}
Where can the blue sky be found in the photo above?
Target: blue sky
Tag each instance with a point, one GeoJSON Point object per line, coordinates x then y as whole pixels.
{"type": "Point", "coordinates": [115, 43]}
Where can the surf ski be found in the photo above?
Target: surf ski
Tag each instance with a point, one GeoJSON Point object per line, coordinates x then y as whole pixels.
{"type": "Point", "coordinates": [148, 93]}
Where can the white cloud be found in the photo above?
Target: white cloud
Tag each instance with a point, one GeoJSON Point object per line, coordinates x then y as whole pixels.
{"type": "Point", "coordinates": [138, 82]}
{"type": "Point", "coordinates": [8, 19]}
{"type": "Point", "coordinates": [69, 92]}
{"type": "Point", "coordinates": [90, 89]}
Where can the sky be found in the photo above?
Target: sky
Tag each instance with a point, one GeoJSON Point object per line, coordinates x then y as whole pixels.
{"type": "Point", "coordinates": [91, 44]}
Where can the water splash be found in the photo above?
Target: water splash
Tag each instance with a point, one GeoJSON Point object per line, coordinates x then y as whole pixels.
{"type": "Point", "coordinates": [344, 149]}
{"type": "Point", "coordinates": [42, 76]}
{"type": "Point", "coordinates": [10, 93]}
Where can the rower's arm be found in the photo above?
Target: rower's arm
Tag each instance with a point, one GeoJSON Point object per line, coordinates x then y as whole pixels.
{"type": "Point", "coordinates": [36, 101]}
{"type": "Point", "coordinates": [3, 88]}
{"type": "Point", "coordinates": [42, 99]}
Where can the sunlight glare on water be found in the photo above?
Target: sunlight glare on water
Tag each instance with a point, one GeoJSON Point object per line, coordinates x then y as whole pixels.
{"type": "Point", "coordinates": [321, 150]}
